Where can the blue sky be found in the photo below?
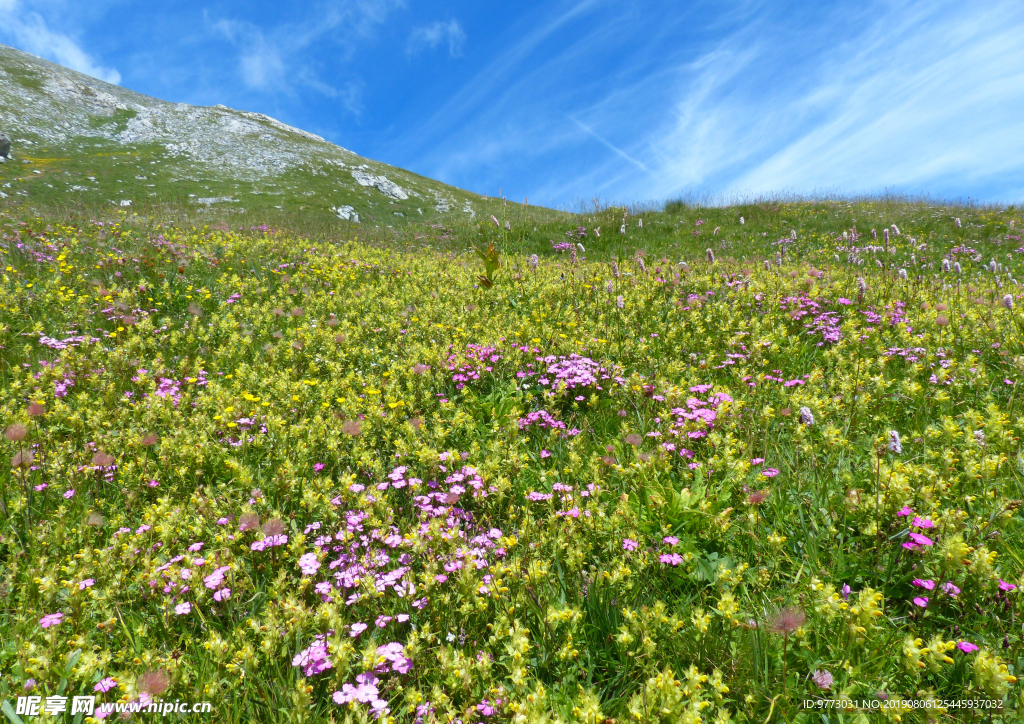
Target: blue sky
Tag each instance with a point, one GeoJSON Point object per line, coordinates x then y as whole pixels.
{"type": "Point", "coordinates": [563, 102]}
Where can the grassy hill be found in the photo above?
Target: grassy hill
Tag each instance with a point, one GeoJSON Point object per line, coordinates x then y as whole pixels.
{"type": "Point", "coordinates": [81, 145]}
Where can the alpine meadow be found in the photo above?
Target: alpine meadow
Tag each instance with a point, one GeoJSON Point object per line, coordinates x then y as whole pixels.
{"type": "Point", "coordinates": [316, 439]}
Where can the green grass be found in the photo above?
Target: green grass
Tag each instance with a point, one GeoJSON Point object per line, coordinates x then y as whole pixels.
{"type": "Point", "coordinates": [306, 330]}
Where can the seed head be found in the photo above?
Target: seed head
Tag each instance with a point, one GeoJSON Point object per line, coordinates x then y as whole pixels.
{"type": "Point", "coordinates": [787, 620]}
{"type": "Point", "coordinates": [273, 527]}
{"type": "Point", "coordinates": [154, 683]}
{"type": "Point", "coordinates": [15, 432]}
{"type": "Point", "coordinates": [102, 459]}
{"type": "Point", "coordinates": [249, 521]}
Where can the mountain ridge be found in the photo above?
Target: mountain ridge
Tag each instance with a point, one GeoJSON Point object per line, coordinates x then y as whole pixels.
{"type": "Point", "coordinates": [67, 125]}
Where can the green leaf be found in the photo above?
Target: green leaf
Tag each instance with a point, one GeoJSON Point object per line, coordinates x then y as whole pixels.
{"type": "Point", "coordinates": [11, 716]}
{"type": "Point", "coordinates": [73, 658]}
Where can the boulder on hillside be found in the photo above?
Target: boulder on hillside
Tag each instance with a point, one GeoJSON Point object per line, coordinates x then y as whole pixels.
{"type": "Point", "coordinates": [5, 146]}
{"type": "Point", "coordinates": [382, 183]}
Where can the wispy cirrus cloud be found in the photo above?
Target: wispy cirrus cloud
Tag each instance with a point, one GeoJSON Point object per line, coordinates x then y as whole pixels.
{"type": "Point", "coordinates": [280, 60]}
{"type": "Point", "coordinates": [28, 30]}
{"type": "Point", "coordinates": [435, 34]}
{"type": "Point", "coordinates": [745, 98]}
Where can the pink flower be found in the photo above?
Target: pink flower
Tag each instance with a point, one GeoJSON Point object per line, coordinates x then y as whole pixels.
{"type": "Point", "coordinates": [356, 629]}
{"type": "Point", "coordinates": [222, 595]}
{"type": "Point", "coordinates": [921, 539]}
{"type": "Point", "coordinates": [951, 589]}
{"type": "Point", "coordinates": [69, 494]}
{"type": "Point", "coordinates": [904, 511]}
{"type": "Point", "coordinates": [922, 523]}
{"type": "Point", "coordinates": [756, 461]}
{"type": "Point", "coordinates": [769, 472]}
{"type": "Point", "coordinates": [1004, 586]}
{"type": "Point", "coordinates": [928, 584]}
{"type": "Point", "coordinates": [195, 547]}
{"type": "Point", "coordinates": [105, 685]}
{"type": "Point", "coordinates": [967, 647]}
{"type": "Point", "coordinates": [671, 540]}
{"type": "Point", "coordinates": [672, 559]}
{"type": "Point", "coordinates": [87, 583]}
{"type": "Point", "coordinates": [309, 564]}
{"type": "Point", "coordinates": [628, 544]}
{"type": "Point", "coordinates": [921, 601]}
{"type": "Point", "coordinates": [51, 619]}
{"type": "Point", "coordinates": [182, 608]}
{"type": "Point", "coordinates": [545, 453]}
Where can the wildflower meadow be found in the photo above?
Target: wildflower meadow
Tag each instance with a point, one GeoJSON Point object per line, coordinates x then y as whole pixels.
{"type": "Point", "coordinates": [746, 464]}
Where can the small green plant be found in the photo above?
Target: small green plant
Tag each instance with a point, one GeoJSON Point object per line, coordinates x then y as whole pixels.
{"type": "Point", "coordinates": [491, 264]}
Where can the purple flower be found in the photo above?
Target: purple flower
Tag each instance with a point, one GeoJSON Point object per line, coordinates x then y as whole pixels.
{"type": "Point", "coordinates": [950, 588]}
{"type": "Point", "coordinates": [356, 629]}
{"type": "Point", "coordinates": [822, 679]}
{"type": "Point", "coordinates": [309, 564]}
{"type": "Point", "coordinates": [904, 511]}
{"type": "Point", "coordinates": [967, 647]}
{"type": "Point", "coordinates": [921, 539]}
{"type": "Point", "coordinates": [672, 559]}
{"type": "Point", "coordinates": [628, 544]}
{"type": "Point", "coordinates": [928, 584]}
{"type": "Point", "coordinates": [921, 601]}
{"type": "Point", "coordinates": [545, 453]}
{"type": "Point", "coordinates": [87, 583]}
{"type": "Point", "coordinates": [51, 619]}
{"type": "Point", "coordinates": [105, 685]}
{"type": "Point", "coordinates": [922, 523]}
{"type": "Point", "coordinates": [1004, 586]}
{"type": "Point", "coordinates": [314, 659]}
{"type": "Point", "coordinates": [69, 494]}
{"type": "Point", "coordinates": [671, 540]}
{"type": "Point", "coordinates": [769, 472]}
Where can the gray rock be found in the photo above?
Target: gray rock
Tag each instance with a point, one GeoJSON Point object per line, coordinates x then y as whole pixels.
{"type": "Point", "coordinates": [5, 146]}
{"type": "Point", "coordinates": [382, 183]}
{"type": "Point", "coordinates": [346, 213]}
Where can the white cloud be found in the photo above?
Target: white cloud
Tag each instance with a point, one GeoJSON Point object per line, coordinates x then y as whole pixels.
{"type": "Point", "coordinates": [278, 60]}
{"type": "Point", "coordinates": [920, 97]}
{"type": "Point", "coordinates": [29, 31]}
{"type": "Point", "coordinates": [435, 34]}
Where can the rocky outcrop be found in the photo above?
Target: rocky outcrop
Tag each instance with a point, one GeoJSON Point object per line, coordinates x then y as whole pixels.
{"type": "Point", "coordinates": [381, 183]}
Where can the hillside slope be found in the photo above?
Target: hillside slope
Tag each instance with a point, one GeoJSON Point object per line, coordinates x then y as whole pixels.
{"type": "Point", "coordinates": [80, 142]}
